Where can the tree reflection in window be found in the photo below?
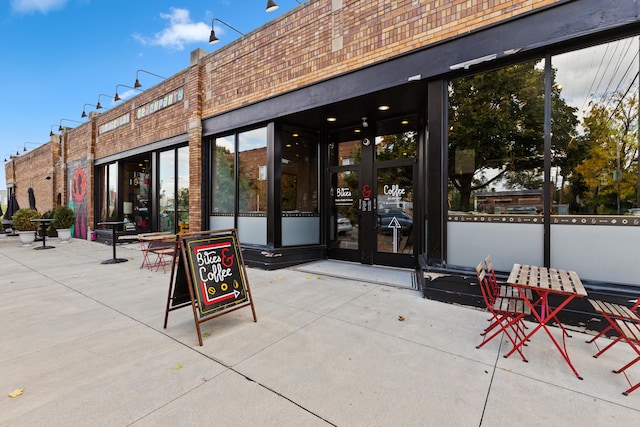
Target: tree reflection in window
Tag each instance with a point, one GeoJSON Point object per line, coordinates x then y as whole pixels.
{"type": "Point", "coordinates": [596, 171]}
{"type": "Point", "coordinates": [496, 138]}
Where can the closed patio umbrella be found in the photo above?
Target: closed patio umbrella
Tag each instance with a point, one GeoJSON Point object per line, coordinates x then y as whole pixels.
{"type": "Point", "coordinates": [12, 207]}
{"type": "Point", "coordinates": [32, 198]}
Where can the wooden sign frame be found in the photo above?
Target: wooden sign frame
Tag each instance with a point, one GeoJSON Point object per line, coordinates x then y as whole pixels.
{"type": "Point", "coordinates": [209, 275]}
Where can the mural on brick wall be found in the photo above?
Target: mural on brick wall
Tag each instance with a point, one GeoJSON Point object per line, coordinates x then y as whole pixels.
{"type": "Point", "coordinates": [77, 185]}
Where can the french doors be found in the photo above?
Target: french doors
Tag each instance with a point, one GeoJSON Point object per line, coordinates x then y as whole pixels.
{"type": "Point", "coordinates": [372, 187]}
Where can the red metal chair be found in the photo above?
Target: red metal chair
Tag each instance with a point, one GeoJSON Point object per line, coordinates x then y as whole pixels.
{"type": "Point", "coordinates": [630, 333]}
{"type": "Point", "coordinates": [507, 314]}
{"type": "Point", "coordinates": [502, 289]}
{"type": "Point", "coordinates": [612, 312]}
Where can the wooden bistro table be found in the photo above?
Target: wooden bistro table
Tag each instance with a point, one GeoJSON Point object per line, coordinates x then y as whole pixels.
{"type": "Point", "coordinates": [44, 224]}
{"type": "Point", "coordinates": [113, 225]}
{"type": "Point", "coordinates": [545, 281]}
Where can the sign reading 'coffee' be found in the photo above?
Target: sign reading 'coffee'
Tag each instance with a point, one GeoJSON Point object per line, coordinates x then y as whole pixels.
{"type": "Point", "coordinates": [216, 273]}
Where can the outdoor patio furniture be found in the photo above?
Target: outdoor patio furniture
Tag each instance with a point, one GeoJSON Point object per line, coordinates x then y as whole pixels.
{"type": "Point", "coordinates": [545, 281]}
{"type": "Point", "coordinates": [158, 250]}
{"type": "Point", "coordinates": [502, 289]}
{"type": "Point", "coordinates": [507, 314]}
{"type": "Point", "coordinates": [611, 312]}
{"type": "Point", "coordinates": [631, 335]}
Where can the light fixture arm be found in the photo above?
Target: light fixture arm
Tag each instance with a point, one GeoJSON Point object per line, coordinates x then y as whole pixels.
{"type": "Point", "coordinates": [212, 38]}
{"type": "Point", "coordinates": [66, 120]}
{"type": "Point", "coordinates": [137, 84]}
{"type": "Point", "coordinates": [37, 144]}
{"type": "Point", "coordinates": [117, 97]}
{"type": "Point", "coordinates": [83, 109]}
{"type": "Point", "coordinates": [98, 106]}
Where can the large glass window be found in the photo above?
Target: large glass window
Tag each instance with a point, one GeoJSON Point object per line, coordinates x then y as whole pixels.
{"type": "Point", "coordinates": [239, 197]}
{"type": "Point", "coordinates": [300, 213]}
{"type": "Point", "coordinates": [166, 193]}
{"type": "Point", "coordinates": [182, 183]}
{"type": "Point", "coordinates": [223, 154]}
{"type": "Point", "coordinates": [173, 194]}
{"type": "Point", "coordinates": [252, 163]}
{"type": "Point", "coordinates": [595, 130]}
{"type": "Point", "coordinates": [496, 141]}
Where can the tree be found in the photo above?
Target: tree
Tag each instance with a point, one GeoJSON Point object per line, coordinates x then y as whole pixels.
{"type": "Point", "coordinates": [497, 129]}
{"type": "Point", "coordinates": [609, 174]}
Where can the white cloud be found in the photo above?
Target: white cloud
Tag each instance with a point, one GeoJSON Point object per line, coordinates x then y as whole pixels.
{"type": "Point", "coordinates": [42, 6]}
{"type": "Point", "coordinates": [181, 30]}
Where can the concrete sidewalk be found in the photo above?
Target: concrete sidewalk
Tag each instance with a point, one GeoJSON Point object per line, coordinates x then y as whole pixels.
{"type": "Point", "coordinates": [85, 341]}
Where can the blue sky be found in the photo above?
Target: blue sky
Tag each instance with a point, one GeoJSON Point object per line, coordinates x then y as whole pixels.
{"type": "Point", "coordinates": [58, 55]}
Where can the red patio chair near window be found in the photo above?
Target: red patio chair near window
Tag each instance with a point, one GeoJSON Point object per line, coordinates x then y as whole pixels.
{"type": "Point", "coordinates": [507, 314]}
{"type": "Point", "coordinates": [611, 312]}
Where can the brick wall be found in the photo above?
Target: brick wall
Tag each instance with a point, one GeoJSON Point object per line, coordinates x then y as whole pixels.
{"type": "Point", "coordinates": [31, 171]}
{"type": "Point", "coordinates": [330, 37]}
{"type": "Point", "coordinates": [322, 39]}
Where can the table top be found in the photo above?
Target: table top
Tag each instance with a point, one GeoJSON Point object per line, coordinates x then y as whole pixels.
{"type": "Point", "coordinates": [156, 237]}
{"type": "Point", "coordinates": [111, 223]}
{"type": "Point", "coordinates": [547, 279]}
{"type": "Point", "coordinates": [43, 220]}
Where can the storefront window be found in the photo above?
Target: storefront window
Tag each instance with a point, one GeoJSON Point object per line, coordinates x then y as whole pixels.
{"type": "Point", "coordinates": [166, 193]}
{"type": "Point", "coordinates": [109, 197]}
{"type": "Point", "coordinates": [223, 154]}
{"type": "Point", "coordinates": [182, 183]}
{"type": "Point", "coordinates": [252, 158]}
{"type": "Point", "coordinates": [496, 143]}
{"type": "Point", "coordinates": [594, 167]}
{"type": "Point", "coordinates": [300, 213]}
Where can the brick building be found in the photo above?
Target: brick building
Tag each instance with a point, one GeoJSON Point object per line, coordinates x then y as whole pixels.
{"type": "Point", "coordinates": [249, 136]}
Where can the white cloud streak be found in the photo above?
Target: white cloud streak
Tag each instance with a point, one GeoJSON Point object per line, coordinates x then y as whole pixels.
{"type": "Point", "coordinates": [181, 30]}
{"type": "Point", "coordinates": [32, 6]}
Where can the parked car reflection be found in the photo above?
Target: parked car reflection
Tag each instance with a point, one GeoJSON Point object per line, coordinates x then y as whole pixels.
{"type": "Point", "coordinates": [344, 225]}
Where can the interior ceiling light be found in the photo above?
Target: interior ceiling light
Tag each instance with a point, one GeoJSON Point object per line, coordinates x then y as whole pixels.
{"type": "Point", "coordinates": [405, 122]}
{"type": "Point", "coordinates": [357, 131]}
{"type": "Point", "coordinates": [331, 119]}
{"type": "Point", "coordinates": [383, 107]}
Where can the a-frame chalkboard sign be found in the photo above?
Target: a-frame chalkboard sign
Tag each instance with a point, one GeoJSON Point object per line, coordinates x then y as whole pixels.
{"type": "Point", "coordinates": [209, 275]}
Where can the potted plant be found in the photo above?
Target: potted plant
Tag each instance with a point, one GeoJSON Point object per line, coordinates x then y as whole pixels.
{"type": "Point", "coordinates": [63, 220]}
{"type": "Point", "coordinates": [24, 226]}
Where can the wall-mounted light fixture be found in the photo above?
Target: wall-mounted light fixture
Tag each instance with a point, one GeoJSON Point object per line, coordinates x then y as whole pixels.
{"type": "Point", "coordinates": [60, 128]}
{"type": "Point", "coordinates": [37, 144]}
{"type": "Point", "coordinates": [271, 5]}
{"type": "Point", "coordinates": [84, 114]}
{"type": "Point", "coordinates": [98, 106]}
{"type": "Point", "coordinates": [212, 37]}
{"type": "Point", "coordinates": [117, 97]}
{"type": "Point", "coordinates": [137, 84]}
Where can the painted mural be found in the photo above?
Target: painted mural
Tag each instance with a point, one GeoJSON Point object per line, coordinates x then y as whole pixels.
{"type": "Point", "coordinates": [78, 194]}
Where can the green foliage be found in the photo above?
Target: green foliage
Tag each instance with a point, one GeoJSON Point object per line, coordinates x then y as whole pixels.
{"type": "Point", "coordinates": [22, 219]}
{"type": "Point", "coordinates": [63, 217]}
{"type": "Point", "coordinates": [497, 129]}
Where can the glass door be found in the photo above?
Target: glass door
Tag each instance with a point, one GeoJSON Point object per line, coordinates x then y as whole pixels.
{"type": "Point", "coordinates": [371, 194]}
